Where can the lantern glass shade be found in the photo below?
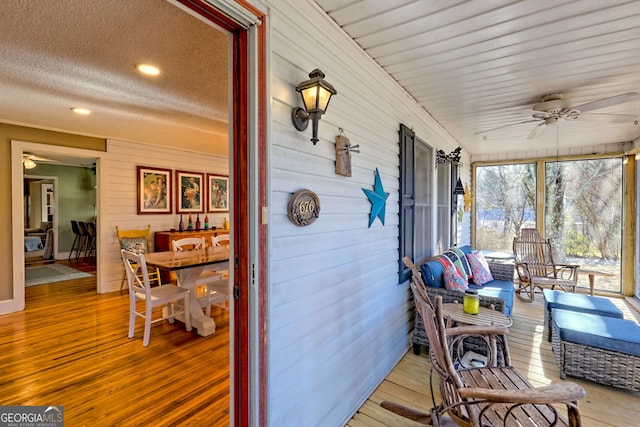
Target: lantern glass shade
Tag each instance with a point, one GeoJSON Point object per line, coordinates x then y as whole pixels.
{"type": "Point", "coordinates": [316, 92]}
{"type": "Point", "coordinates": [316, 99]}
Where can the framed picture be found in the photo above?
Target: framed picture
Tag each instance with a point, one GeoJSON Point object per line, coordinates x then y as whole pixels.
{"type": "Point", "coordinates": [154, 190]}
{"type": "Point", "coordinates": [218, 193]}
{"type": "Point", "coordinates": [189, 194]}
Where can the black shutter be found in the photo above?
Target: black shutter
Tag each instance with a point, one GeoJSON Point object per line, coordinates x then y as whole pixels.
{"type": "Point", "coordinates": [407, 200]}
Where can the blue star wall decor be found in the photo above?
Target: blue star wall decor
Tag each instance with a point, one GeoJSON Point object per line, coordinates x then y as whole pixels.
{"type": "Point", "coordinates": [378, 199]}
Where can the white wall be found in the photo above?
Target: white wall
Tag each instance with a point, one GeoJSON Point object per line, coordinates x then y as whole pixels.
{"type": "Point", "coordinates": [118, 197]}
{"type": "Point", "coordinates": [338, 319]}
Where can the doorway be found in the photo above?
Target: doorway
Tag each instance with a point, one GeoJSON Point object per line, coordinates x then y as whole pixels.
{"type": "Point", "coordinates": [19, 214]}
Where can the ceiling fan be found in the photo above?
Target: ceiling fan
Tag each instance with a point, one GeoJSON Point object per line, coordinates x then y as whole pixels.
{"type": "Point", "coordinates": [29, 160]}
{"type": "Point", "coordinates": [554, 107]}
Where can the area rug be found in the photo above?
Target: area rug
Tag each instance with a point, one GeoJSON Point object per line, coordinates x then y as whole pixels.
{"type": "Point", "coordinates": [51, 273]}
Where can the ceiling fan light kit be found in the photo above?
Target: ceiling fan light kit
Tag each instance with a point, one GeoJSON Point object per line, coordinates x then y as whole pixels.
{"type": "Point", "coordinates": [28, 163]}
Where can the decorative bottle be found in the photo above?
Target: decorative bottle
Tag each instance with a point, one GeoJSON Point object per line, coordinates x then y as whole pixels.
{"type": "Point", "coordinates": [226, 224]}
{"type": "Point", "coordinates": [197, 222]}
{"type": "Point", "coordinates": [189, 223]}
{"type": "Point", "coordinates": [181, 224]}
{"type": "Point", "coordinates": [206, 222]}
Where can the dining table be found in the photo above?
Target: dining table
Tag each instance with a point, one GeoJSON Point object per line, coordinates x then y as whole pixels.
{"type": "Point", "coordinates": [187, 266]}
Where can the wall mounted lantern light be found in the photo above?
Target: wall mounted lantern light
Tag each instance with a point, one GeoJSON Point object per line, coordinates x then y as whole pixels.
{"type": "Point", "coordinates": [316, 94]}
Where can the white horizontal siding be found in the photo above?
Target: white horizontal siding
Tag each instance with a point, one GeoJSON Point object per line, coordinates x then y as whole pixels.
{"type": "Point", "coordinates": [338, 319]}
{"type": "Point", "coordinates": [118, 197]}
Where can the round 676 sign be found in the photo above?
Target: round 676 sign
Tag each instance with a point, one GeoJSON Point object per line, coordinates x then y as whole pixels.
{"type": "Point", "coordinates": [304, 207]}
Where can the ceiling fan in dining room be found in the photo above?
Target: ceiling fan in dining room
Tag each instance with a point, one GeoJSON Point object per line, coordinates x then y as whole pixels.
{"type": "Point", "coordinates": [554, 107]}
{"type": "Point", "coordinates": [30, 160]}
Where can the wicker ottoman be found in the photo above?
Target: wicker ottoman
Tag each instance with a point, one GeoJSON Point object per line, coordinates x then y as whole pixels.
{"type": "Point", "coordinates": [576, 302]}
{"type": "Point", "coordinates": [602, 349]}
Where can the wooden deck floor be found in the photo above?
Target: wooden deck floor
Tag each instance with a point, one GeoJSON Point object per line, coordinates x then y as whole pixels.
{"type": "Point", "coordinates": [408, 383]}
{"type": "Point", "coordinates": [70, 348]}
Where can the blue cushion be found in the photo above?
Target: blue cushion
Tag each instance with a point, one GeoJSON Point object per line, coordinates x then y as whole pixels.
{"type": "Point", "coordinates": [604, 332]}
{"type": "Point", "coordinates": [433, 273]}
{"type": "Point", "coordinates": [466, 249]}
{"type": "Point", "coordinates": [497, 289]}
{"type": "Point", "coordinates": [581, 303]}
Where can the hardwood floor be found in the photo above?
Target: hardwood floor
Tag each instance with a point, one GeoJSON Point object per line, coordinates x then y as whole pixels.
{"type": "Point", "coordinates": [70, 348]}
{"type": "Point", "coordinates": [408, 383]}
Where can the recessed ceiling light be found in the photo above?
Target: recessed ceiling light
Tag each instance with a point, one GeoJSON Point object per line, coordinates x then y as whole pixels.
{"type": "Point", "coordinates": [147, 69]}
{"type": "Point", "coordinates": [81, 111]}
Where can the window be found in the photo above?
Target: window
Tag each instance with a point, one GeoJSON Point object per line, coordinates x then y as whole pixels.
{"type": "Point", "coordinates": [505, 203]}
{"type": "Point", "coordinates": [581, 209]}
{"type": "Point", "coordinates": [583, 216]}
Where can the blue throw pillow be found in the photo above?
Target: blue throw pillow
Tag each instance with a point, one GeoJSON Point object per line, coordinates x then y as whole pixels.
{"type": "Point", "coordinates": [433, 272]}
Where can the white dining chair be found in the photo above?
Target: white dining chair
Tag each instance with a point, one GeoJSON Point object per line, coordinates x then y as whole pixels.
{"type": "Point", "coordinates": [221, 292]}
{"type": "Point", "coordinates": [140, 289]}
{"type": "Point", "coordinates": [213, 283]}
{"type": "Point", "coordinates": [188, 243]}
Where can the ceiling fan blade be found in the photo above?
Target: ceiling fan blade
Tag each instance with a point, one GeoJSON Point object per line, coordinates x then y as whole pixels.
{"type": "Point", "coordinates": [37, 158]}
{"type": "Point", "coordinates": [506, 126]}
{"type": "Point", "coordinates": [44, 159]}
{"type": "Point", "coordinates": [611, 118]}
{"type": "Point", "coordinates": [607, 102]}
{"type": "Point", "coordinates": [539, 128]}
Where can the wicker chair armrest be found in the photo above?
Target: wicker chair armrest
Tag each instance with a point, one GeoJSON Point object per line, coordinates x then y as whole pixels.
{"type": "Point", "coordinates": [502, 271]}
{"type": "Point", "coordinates": [564, 392]}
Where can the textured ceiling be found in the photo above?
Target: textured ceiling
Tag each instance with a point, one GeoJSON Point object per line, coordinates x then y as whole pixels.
{"type": "Point", "coordinates": [82, 53]}
{"type": "Point", "coordinates": [477, 65]}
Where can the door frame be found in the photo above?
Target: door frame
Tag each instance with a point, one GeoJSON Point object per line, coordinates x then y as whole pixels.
{"type": "Point", "coordinates": [248, 173]}
{"type": "Point", "coordinates": [18, 148]}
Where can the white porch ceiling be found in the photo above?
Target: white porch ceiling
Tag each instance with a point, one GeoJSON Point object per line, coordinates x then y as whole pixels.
{"type": "Point", "coordinates": [481, 64]}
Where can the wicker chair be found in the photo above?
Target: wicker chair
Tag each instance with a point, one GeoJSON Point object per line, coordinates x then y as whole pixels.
{"type": "Point", "coordinates": [536, 268]}
{"type": "Point", "coordinates": [487, 395]}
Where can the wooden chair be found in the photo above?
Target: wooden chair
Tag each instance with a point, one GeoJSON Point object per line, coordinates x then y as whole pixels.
{"type": "Point", "coordinates": [137, 241]}
{"type": "Point", "coordinates": [536, 268]}
{"type": "Point", "coordinates": [214, 283]}
{"type": "Point", "coordinates": [140, 289]}
{"type": "Point", "coordinates": [488, 395]}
